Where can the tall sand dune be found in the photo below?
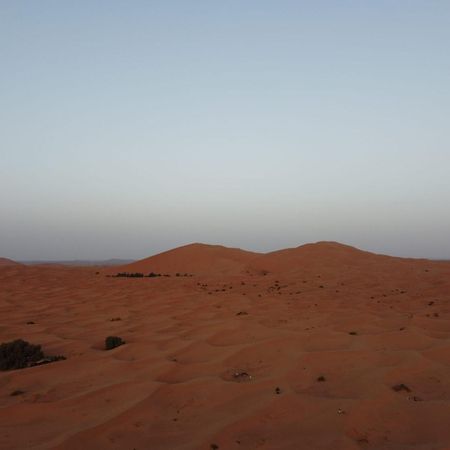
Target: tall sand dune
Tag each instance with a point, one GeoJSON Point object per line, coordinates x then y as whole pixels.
{"type": "Point", "coordinates": [325, 256]}
{"type": "Point", "coordinates": [193, 259]}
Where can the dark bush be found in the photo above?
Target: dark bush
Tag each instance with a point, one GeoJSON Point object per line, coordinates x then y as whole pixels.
{"type": "Point", "coordinates": [401, 387]}
{"type": "Point", "coordinates": [137, 275]}
{"type": "Point", "coordinates": [17, 392]}
{"type": "Point", "coordinates": [113, 342]}
{"type": "Point", "coordinates": [129, 275]}
{"type": "Point", "coordinates": [19, 354]}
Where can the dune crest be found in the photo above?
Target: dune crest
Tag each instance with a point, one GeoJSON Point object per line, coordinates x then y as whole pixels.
{"type": "Point", "coordinates": [205, 259]}
{"type": "Point", "coordinates": [193, 259]}
{"type": "Point", "coordinates": [8, 262]}
{"type": "Point", "coordinates": [324, 255]}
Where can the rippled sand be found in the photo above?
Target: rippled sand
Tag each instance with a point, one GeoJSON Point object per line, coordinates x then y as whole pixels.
{"type": "Point", "coordinates": [299, 349]}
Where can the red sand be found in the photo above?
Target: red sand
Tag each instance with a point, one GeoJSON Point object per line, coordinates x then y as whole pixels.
{"type": "Point", "coordinates": [204, 355]}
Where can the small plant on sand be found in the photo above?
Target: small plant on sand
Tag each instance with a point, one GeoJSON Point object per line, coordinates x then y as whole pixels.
{"type": "Point", "coordinates": [113, 342]}
{"type": "Point", "coordinates": [129, 275]}
{"type": "Point", "coordinates": [17, 392]}
{"type": "Point", "coordinates": [401, 387]}
{"type": "Point", "coordinates": [19, 354]}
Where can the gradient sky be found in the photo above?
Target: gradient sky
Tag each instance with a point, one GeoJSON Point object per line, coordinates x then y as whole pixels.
{"type": "Point", "coordinates": [131, 127]}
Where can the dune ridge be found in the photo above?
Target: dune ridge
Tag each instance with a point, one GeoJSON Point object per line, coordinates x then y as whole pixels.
{"type": "Point", "coordinates": [193, 259]}
{"type": "Point", "coordinates": [205, 259]}
{"type": "Point", "coordinates": [8, 262]}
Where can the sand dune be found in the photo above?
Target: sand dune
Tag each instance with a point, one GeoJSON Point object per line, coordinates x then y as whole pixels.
{"type": "Point", "coordinates": [319, 347]}
{"type": "Point", "coordinates": [195, 259]}
{"type": "Point", "coordinates": [331, 255]}
{"type": "Point", "coordinates": [8, 262]}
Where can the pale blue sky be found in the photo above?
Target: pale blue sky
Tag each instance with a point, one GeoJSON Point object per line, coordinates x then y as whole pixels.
{"type": "Point", "coordinates": [130, 127]}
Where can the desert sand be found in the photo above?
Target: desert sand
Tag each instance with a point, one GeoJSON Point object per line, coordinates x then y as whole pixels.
{"type": "Point", "coordinates": [318, 347]}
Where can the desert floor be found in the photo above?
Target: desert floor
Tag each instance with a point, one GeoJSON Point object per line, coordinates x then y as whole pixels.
{"type": "Point", "coordinates": [301, 357]}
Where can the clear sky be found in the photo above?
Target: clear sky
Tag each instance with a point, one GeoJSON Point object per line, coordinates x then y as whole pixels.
{"type": "Point", "coordinates": [131, 127]}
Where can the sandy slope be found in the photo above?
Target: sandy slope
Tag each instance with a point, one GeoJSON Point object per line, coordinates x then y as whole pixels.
{"type": "Point", "coordinates": [174, 384]}
{"type": "Point", "coordinates": [198, 259]}
{"type": "Point", "coordinates": [8, 262]}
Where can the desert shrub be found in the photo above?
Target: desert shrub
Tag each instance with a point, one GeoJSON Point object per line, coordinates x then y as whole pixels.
{"type": "Point", "coordinates": [19, 354]}
{"type": "Point", "coordinates": [17, 392]}
{"type": "Point", "coordinates": [129, 275]}
{"type": "Point", "coordinates": [401, 387]}
{"type": "Point", "coordinates": [113, 342]}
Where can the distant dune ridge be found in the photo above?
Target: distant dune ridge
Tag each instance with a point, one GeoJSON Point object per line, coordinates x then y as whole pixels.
{"type": "Point", "coordinates": [193, 259]}
{"type": "Point", "coordinates": [81, 262]}
{"type": "Point", "coordinates": [206, 259]}
{"type": "Point", "coordinates": [209, 259]}
{"type": "Point", "coordinates": [8, 262]}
